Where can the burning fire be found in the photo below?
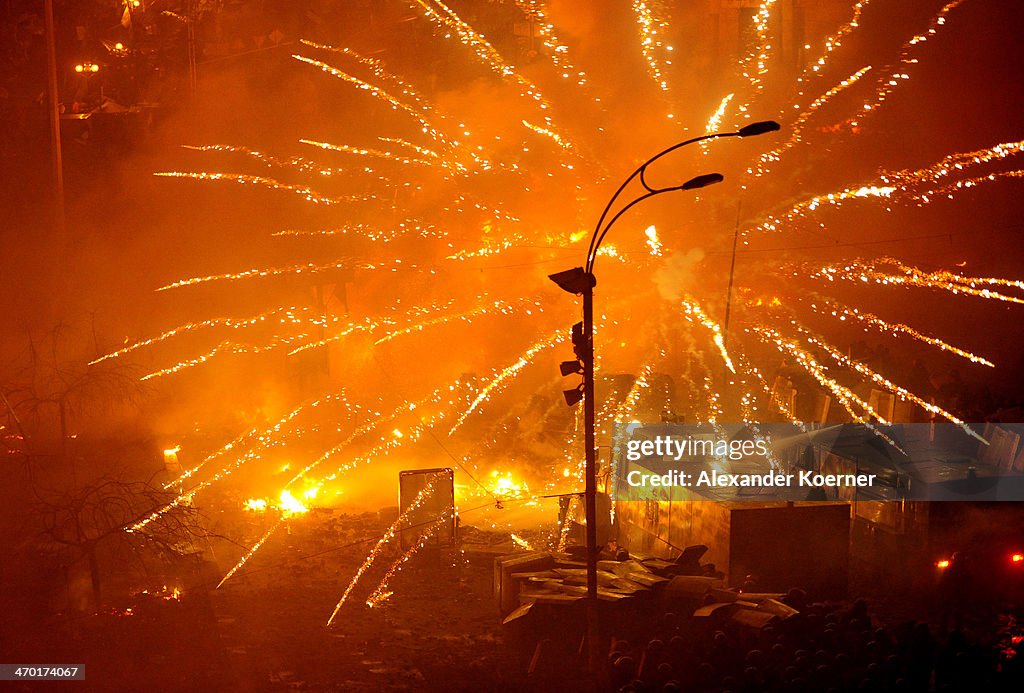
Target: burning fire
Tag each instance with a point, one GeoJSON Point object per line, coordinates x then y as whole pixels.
{"type": "Point", "coordinates": [507, 487]}
{"type": "Point", "coordinates": [287, 504]}
{"type": "Point", "coordinates": [170, 594]}
{"type": "Point", "coordinates": [290, 505]}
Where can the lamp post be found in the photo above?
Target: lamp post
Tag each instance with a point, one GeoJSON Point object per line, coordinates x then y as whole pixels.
{"type": "Point", "coordinates": [581, 280]}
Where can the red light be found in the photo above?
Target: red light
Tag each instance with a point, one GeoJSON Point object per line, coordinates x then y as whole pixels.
{"type": "Point", "coordinates": [943, 564]}
{"type": "Point", "coordinates": [1017, 558]}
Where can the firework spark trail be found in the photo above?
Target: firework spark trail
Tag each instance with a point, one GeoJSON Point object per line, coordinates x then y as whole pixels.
{"type": "Point", "coordinates": [881, 380]}
{"type": "Point", "coordinates": [397, 439]}
{"type": "Point", "coordinates": [904, 275]}
{"type": "Point", "coordinates": [796, 127]}
{"type": "Point", "coordinates": [388, 535]}
{"type": "Point", "coordinates": [381, 594]}
{"type": "Point", "coordinates": [703, 409]}
{"type": "Point", "coordinates": [884, 87]}
{"type": "Point", "coordinates": [308, 268]}
{"type": "Point", "coordinates": [448, 162]}
{"type": "Point", "coordinates": [262, 437]}
{"type": "Point", "coordinates": [374, 324]}
{"type": "Point", "coordinates": [715, 121]}
{"type": "Point", "coordinates": [289, 312]}
{"type": "Point", "coordinates": [694, 313]}
{"type": "Point", "coordinates": [754, 67]}
{"type": "Point", "coordinates": [373, 153]}
{"type": "Point", "coordinates": [295, 162]}
{"type": "Point", "coordinates": [572, 512]}
{"type": "Point", "coordinates": [502, 377]}
{"type": "Point", "coordinates": [897, 184]}
{"type": "Point", "coordinates": [491, 249]}
{"type": "Point", "coordinates": [367, 325]}
{"type": "Point", "coordinates": [780, 222]}
{"type": "Point", "coordinates": [308, 194]}
{"type": "Point", "coordinates": [888, 83]}
{"type": "Point", "coordinates": [250, 552]}
{"type": "Point", "coordinates": [558, 52]}
{"type": "Point", "coordinates": [494, 212]}
{"type": "Point", "coordinates": [383, 95]}
{"type": "Point", "coordinates": [949, 191]}
{"type": "Point", "coordinates": [442, 15]}
{"type": "Point", "coordinates": [409, 92]}
{"type": "Point", "coordinates": [404, 229]}
{"type": "Point", "coordinates": [415, 148]}
{"type": "Point", "coordinates": [782, 407]}
{"type": "Point", "coordinates": [846, 397]}
{"type": "Point", "coordinates": [843, 312]}
{"type": "Point", "coordinates": [951, 164]}
{"type": "Point", "coordinates": [713, 398]}
{"type": "Point", "coordinates": [649, 17]}
{"type": "Point", "coordinates": [498, 306]}
{"type": "Point", "coordinates": [749, 404]}
{"type": "Point", "coordinates": [832, 42]}
{"type": "Point", "coordinates": [550, 134]}
{"type": "Point", "coordinates": [224, 348]}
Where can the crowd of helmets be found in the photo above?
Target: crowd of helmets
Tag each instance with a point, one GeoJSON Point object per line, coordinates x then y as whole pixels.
{"type": "Point", "coordinates": [824, 647]}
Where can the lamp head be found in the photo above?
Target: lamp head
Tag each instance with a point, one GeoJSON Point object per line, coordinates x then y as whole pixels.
{"type": "Point", "coordinates": [575, 281]}
{"type": "Point", "coordinates": [702, 181]}
{"type": "Point", "coordinates": [758, 128]}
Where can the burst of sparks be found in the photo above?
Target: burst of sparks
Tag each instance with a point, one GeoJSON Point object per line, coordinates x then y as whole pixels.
{"type": "Point", "coordinates": [441, 149]}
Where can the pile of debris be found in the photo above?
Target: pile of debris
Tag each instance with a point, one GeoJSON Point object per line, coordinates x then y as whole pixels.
{"type": "Point", "coordinates": [525, 579]}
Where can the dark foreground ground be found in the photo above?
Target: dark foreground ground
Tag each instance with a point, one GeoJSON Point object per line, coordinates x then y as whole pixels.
{"type": "Point", "coordinates": [264, 630]}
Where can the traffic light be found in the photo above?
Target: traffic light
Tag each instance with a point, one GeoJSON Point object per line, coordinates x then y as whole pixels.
{"type": "Point", "coordinates": [580, 343]}
{"type": "Point", "coordinates": [580, 347]}
{"type": "Point", "coordinates": [570, 367]}
{"type": "Point", "coordinates": [573, 396]}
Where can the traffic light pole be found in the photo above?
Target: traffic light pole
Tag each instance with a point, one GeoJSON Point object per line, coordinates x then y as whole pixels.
{"type": "Point", "coordinates": [590, 492]}
{"type": "Point", "coordinates": [581, 280]}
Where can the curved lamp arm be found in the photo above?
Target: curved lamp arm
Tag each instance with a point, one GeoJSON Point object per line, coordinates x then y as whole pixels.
{"type": "Point", "coordinates": [757, 128]}
{"type": "Point", "coordinates": [591, 250]}
{"type": "Point", "coordinates": [692, 184]}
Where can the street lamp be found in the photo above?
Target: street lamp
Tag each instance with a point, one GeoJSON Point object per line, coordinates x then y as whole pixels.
{"type": "Point", "coordinates": [581, 280]}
